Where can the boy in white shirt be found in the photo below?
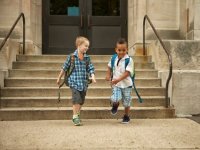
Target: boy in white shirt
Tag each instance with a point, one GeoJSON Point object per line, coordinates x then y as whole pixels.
{"type": "Point", "coordinates": [119, 75]}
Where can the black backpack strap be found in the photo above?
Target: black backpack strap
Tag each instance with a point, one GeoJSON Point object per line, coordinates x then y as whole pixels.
{"type": "Point", "coordinates": [67, 73]}
{"type": "Point", "coordinates": [87, 62]}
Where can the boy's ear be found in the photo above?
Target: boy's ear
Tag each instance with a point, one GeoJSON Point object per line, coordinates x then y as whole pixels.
{"type": "Point", "coordinates": [115, 49]}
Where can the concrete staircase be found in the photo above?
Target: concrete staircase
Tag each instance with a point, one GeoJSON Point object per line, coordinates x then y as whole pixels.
{"type": "Point", "coordinates": [30, 91]}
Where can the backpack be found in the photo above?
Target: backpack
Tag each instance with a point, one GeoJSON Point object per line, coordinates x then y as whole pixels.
{"type": "Point", "coordinates": [69, 70]}
{"type": "Point", "coordinates": [132, 74]}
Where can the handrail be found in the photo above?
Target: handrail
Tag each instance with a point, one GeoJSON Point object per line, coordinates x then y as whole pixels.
{"type": "Point", "coordinates": [167, 52]}
{"type": "Point", "coordinates": [132, 45]}
{"type": "Point", "coordinates": [13, 26]}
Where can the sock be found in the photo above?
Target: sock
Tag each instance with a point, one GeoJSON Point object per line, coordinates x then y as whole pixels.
{"type": "Point", "coordinates": [75, 116]}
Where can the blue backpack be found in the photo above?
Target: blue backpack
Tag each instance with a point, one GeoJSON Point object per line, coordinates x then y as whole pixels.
{"type": "Point", "coordinates": [132, 74]}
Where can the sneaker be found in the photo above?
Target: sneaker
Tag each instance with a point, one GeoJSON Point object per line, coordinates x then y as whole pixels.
{"type": "Point", "coordinates": [79, 115]}
{"type": "Point", "coordinates": [126, 119]}
{"type": "Point", "coordinates": [114, 108]}
{"type": "Point", "coordinates": [76, 121]}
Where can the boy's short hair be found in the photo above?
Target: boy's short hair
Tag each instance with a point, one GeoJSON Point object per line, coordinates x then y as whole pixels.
{"type": "Point", "coordinates": [80, 40]}
{"type": "Point", "coordinates": [121, 41]}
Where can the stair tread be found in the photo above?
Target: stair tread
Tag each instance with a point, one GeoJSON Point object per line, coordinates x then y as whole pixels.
{"type": "Point", "coordinates": [58, 62]}
{"type": "Point", "coordinates": [89, 97]}
{"type": "Point", "coordinates": [34, 69]}
{"type": "Point", "coordinates": [46, 55]}
{"type": "Point", "coordinates": [48, 78]}
{"type": "Point", "coordinates": [56, 88]}
{"type": "Point", "coordinates": [70, 108]}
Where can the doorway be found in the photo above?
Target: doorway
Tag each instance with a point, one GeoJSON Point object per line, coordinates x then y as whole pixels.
{"type": "Point", "coordinates": [101, 21]}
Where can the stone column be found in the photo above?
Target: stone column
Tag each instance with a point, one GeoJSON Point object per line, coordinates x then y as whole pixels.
{"type": "Point", "coordinates": [36, 25]}
{"type": "Point", "coordinates": [193, 22]}
{"type": "Point", "coordinates": [197, 20]}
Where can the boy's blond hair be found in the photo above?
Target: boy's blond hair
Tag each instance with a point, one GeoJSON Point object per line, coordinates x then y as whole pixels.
{"type": "Point", "coordinates": [80, 40]}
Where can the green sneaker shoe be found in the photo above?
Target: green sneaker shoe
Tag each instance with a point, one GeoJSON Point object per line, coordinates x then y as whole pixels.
{"type": "Point", "coordinates": [76, 121]}
{"type": "Point", "coordinates": [79, 116]}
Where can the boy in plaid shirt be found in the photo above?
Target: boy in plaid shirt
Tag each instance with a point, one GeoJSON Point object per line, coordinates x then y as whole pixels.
{"type": "Point", "coordinates": [77, 81]}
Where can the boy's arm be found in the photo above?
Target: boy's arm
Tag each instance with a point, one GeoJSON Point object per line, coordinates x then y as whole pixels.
{"type": "Point", "coordinates": [109, 71]}
{"type": "Point", "coordinates": [125, 75]}
{"type": "Point", "coordinates": [62, 72]}
{"type": "Point", "coordinates": [91, 71]}
{"type": "Point", "coordinates": [66, 63]}
{"type": "Point", "coordinates": [90, 67]}
{"type": "Point", "coordinates": [108, 74]}
{"type": "Point", "coordinates": [64, 68]}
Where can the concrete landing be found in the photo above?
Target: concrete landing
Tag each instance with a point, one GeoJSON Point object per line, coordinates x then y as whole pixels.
{"type": "Point", "coordinates": [100, 134]}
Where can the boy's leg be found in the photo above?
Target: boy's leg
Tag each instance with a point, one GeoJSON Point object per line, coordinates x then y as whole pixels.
{"type": "Point", "coordinates": [115, 98]}
{"type": "Point", "coordinates": [126, 99]}
{"type": "Point", "coordinates": [127, 110]}
{"type": "Point", "coordinates": [82, 94]}
{"type": "Point", "coordinates": [76, 109]}
{"type": "Point", "coordinates": [78, 98]}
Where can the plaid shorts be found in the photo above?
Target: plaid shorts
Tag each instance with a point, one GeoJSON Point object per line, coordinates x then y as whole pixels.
{"type": "Point", "coordinates": [123, 94]}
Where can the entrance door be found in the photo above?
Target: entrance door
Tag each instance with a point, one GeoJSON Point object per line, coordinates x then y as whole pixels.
{"type": "Point", "coordinates": [101, 21]}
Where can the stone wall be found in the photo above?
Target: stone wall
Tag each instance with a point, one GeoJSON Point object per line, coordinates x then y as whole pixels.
{"type": "Point", "coordinates": [184, 86]}
{"type": "Point", "coordinates": [165, 15]}
{"type": "Point", "coordinates": [7, 56]}
{"type": "Point", "coordinates": [9, 11]}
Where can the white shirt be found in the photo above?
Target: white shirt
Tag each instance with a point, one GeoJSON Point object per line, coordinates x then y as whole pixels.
{"type": "Point", "coordinates": [118, 71]}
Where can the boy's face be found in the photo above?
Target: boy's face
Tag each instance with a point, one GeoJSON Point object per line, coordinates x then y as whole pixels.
{"type": "Point", "coordinates": [121, 50]}
{"type": "Point", "coordinates": [84, 47]}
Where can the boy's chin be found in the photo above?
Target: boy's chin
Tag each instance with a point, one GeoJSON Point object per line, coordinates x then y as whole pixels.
{"type": "Point", "coordinates": [121, 56]}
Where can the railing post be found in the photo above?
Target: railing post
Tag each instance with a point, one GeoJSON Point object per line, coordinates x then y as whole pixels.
{"type": "Point", "coordinates": [144, 48]}
{"type": "Point", "coordinates": [24, 33]}
{"type": "Point", "coordinates": [0, 96]}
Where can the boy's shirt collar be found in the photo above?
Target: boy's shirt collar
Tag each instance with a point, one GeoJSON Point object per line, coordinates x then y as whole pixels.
{"type": "Point", "coordinates": [76, 54]}
{"type": "Point", "coordinates": [125, 56]}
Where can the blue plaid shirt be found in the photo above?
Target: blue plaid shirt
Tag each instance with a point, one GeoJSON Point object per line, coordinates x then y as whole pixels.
{"type": "Point", "coordinates": [78, 77]}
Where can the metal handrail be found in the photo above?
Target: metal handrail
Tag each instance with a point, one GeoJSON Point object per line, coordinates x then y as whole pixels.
{"type": "Point", "coordinates": [8, 35]}
{"type": "Point", "coordinates": [167, 52]}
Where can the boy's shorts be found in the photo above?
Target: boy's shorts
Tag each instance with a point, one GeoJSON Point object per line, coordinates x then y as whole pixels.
{"type": "Point", "coordinates": [78, 97]}
{"type": "Point", "coordinates": [123, 94]}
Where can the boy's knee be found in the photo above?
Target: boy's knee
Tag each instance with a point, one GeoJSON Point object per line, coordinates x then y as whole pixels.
{"type": "Point", "coordinates": [127, 103]}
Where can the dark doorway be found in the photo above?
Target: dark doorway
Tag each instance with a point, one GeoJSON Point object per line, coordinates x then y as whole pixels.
{"type": "Point", "coordinates": [101, 21]}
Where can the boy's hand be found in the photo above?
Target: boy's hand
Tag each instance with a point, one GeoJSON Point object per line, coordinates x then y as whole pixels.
{"type": "Point", "coordinates": [58, 81]}
{"type": "Point", "coordinates": [113, 82]}
{"type": "Point", "coordinates": [108, 78]}
{"type": "Point", "coordinates": [93, 78]}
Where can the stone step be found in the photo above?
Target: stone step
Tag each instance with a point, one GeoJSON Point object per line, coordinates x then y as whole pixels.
{"type": "Point", "coordinates": [52, 73]}
{"type": "Point", "coordinates": [51, 82]}
{"type": "Point", "coordinates": [58, 113]}
{"type": "Point", "coordinates": [152, 101]}
{"type": "Point", "coordinates": [62, 58]}
{"type": "Point", "coordinates": [57, 65]}
{"type": "Point", "coordinates": [52, 91]}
